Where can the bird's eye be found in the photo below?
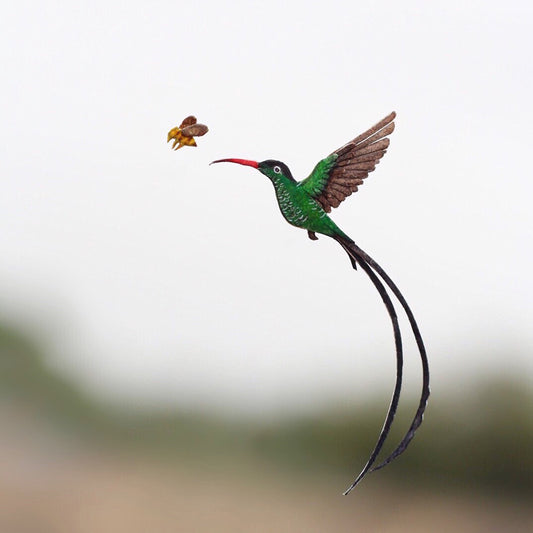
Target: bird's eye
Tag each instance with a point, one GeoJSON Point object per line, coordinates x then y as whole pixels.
{"type": "Point", "coordinates": [277, 170]}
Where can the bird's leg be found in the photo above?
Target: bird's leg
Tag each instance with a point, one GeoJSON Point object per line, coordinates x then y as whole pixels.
{"type": "Point", "coordinates": [312, 235]}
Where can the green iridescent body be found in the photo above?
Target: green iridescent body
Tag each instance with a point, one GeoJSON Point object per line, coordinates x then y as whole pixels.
{"type": "Point", "coordinates": [295, 199]}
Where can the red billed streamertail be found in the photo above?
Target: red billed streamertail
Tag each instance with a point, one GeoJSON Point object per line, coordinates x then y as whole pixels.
{"type": "Point", "coordinates": [306, 204]}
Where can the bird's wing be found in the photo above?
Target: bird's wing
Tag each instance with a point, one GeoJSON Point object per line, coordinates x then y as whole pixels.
{"type": "Point", "coordinates": [340, 174]}
{"type": "Point", "coordinates": [188, 121]}
{"type": "Point", "coordinates": [194, 130]}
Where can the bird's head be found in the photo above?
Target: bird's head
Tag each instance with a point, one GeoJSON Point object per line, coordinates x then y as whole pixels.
{"type": "Point", "coordinates": [271, 168]}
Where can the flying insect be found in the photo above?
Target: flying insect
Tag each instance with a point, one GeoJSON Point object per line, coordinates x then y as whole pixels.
{"type": "Point", "coordinates": [185, 133]}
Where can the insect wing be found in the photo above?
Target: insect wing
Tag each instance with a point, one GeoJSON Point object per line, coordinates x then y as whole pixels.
{"type": "Point", "coordinates": [188, 121]}
{"type": "Point", "coordinates": [195, 130]}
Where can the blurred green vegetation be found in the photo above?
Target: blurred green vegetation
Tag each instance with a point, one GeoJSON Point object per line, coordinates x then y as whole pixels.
{"type": "Point", "coordinates": [481, 439]}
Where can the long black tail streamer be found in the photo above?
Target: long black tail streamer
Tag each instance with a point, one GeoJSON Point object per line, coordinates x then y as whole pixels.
{"type": "Point", "coordinates": [399, 366]}
{"type": "Point", "coordinates": [356, 254]}
{"type": "Point", "coordinates": [419, 415]}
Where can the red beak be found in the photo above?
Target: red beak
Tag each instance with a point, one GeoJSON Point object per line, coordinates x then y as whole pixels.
{"type": "Point", "coordinates": [246, 162]}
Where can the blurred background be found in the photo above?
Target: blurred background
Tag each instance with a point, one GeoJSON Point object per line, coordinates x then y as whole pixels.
{"type": "Point", "coordinates": [173, 355]}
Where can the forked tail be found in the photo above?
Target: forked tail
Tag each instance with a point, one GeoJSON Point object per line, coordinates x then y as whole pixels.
{"type": "Point", "coordinates": [357, 255]}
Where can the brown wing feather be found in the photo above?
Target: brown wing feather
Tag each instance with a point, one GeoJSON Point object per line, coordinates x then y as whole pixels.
{"type": "Point", "coordinates": [195, 130]}
{"type": "Point", "coordinates": [355, 161]}
{"type": "Point", "coordinates": [188, 121]}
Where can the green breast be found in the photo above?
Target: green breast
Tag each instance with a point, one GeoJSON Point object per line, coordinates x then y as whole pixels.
{"type": "Point", "coordinates": [300, 210]}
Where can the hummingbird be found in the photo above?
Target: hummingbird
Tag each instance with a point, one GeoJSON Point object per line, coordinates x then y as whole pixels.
{"type": "Point", "coordinates": [306, 204]}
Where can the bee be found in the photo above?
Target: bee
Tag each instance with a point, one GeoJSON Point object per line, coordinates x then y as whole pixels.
{"type": "Point", "coordinates": [185, 133]}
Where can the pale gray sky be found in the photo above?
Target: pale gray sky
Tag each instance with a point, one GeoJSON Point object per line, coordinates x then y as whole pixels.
{"type": "Point", "coordinates": [165, 279]}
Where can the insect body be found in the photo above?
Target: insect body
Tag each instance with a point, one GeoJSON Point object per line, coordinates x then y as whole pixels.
{"type": "Point", "coordinates": [185, 133]}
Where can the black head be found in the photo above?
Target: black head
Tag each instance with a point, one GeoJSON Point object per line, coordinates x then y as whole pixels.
{"type": "Point", "coordinates": [275, 169]}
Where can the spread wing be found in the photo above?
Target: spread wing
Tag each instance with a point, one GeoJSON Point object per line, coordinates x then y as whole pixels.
{"type": "Point", "coordinates": [340, 174]}
{"type": "Point", "coordinates": [188, 121]}
{"type": "Point", "coordinates": [194, 130]}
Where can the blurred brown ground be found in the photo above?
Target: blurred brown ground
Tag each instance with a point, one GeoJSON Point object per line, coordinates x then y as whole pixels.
{"type": "Point", "coordinates": [72, 464]}
{"type": "Point", "coordinates": [49, 484]}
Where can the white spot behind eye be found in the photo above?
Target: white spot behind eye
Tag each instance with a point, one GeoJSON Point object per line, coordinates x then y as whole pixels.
{"type": "Point", "coordinates": [277, 170]}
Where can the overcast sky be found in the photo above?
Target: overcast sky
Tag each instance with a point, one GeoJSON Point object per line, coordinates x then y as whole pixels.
{"type": "Point", "coordinates": [160, 278]}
